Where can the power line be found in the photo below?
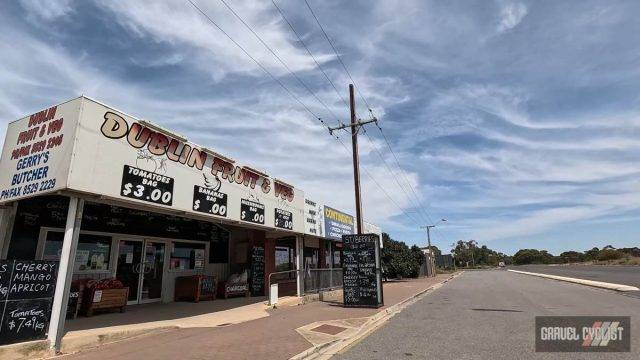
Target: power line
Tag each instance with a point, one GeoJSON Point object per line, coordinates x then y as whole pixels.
{"type": "Point", "coordinates": [335, 88]}
{"type": "Point", "coordinates": [273, 52]}
{"type": "Point", "coordinates": [380, 186]}
{"type": "Point", "coordinates": [375, 147]}
{"type": "Point", "coordinates": [365, 101]}
{"type": "Point", "coordinates": [336, 52]}
{"type": "Point", "coordinates": [257, 63]}
{"type": "Point", "coordinates": [295, 98]}
{"type": "Point", "coordinates": [344, 100]}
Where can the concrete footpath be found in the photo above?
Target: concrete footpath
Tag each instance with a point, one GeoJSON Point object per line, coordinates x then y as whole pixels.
{"type": "Point", "coordinates": [284, 333]}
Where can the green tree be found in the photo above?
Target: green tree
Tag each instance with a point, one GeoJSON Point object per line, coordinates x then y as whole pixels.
{"type": "Point", "coordinates": [532, 256]}
{"type": "Point", "coordinates": [398, 260]}
{"type": "Point", "coordinates": [572, 257]}
{"type": "Point", "coordinates": [592, 254]}
{"type": "Point", "coordinates": [610, 254]}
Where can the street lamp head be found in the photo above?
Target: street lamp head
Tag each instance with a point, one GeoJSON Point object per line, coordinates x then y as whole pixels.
{"type": "Point", "coordinates": [443, 220]}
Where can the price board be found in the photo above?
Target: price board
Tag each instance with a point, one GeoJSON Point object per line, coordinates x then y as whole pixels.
{"type": "Point", "coordinates": [257, 270]}
{"type": "Point", "coordinates": [361, 272]}
{"type": "Point", "coordinates": [209, 201]}
{"type": "Point", "coordinates": [251, 211]}
{"type": "Point", "coordinates": [147, 186]}
{"type": "Point", "coordinates": [283, 219]}
{"type": "Point", "coordinates": [26, 292]}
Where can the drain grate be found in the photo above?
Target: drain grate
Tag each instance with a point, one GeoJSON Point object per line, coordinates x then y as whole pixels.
{"type": "Point", "coordinates": [224, 324]}
{"type": "Point", "coordinates": [498, 310]}
{"type": "Point", "coordinates": [329, 329]}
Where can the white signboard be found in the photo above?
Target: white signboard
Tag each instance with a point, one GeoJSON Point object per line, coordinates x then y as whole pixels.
{"type": "Point", "coordinates": [313, 218]}
{"type": "Point", "coordinates": [370, 228]}
{"type": "Point", "coordinates": [120, 157]}
{"type": "Point", "coordinates": [37, 152]}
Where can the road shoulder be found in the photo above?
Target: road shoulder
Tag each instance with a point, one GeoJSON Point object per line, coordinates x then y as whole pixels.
{"type": "Point", "coordinates": [593, 283]}
{"type": "Point", "coordinates": [326, 345]}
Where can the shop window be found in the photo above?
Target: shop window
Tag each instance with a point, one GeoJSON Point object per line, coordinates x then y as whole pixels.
{"type": "Point", "coordinates": [219, 246]}
{"type": "Point", "coordinates": [187, 256]}
{"type": "Point", "coordinates": [337, 259]}
{"type": "Point", "coordinates": [285, 258]}
{"type": "Point", "coordinates": [93, 251]}
{"type": "Point", "coordinates": [327, 254]}
{"type": "Point", "coordinates": [311, 256]}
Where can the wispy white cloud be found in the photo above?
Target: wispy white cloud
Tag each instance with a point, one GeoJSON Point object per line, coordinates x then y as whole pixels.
{"type": "Point", "coordinates": [47, 10]}
{"type": "Point", "coordinates": [511, 15]}
{"type": "Point", "coordinates": [507, 136]}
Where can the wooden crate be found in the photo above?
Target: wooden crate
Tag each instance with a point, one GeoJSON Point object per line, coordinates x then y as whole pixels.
{"type": "Point", "coordinates": [109, 299]}
{"type": "Point", "coordinates": [191, 288]}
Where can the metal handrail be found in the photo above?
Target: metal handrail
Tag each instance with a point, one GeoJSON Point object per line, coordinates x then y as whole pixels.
{"type": "Point", "coordinates": [269, 281]}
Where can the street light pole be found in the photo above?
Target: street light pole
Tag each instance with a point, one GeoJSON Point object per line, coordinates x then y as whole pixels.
{"type": "Point", "coordinates": [431, 260]}
{"type": "Point", "coordinates": [431, 257]}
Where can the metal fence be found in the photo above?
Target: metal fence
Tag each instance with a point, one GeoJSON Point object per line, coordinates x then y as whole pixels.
{"type": "Point", "coordinates": [316, 280]}
{"type": "Point", "coordinates": [279, 277]}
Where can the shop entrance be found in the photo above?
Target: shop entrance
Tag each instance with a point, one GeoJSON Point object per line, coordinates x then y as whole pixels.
{"type": "Point", "coordinates": [141, 267]}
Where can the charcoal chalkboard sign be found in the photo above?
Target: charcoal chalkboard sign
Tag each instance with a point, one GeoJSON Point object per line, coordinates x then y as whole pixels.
{"type": "Point", "coordinates": [257, 270]}
{"type": "Point", "coordinates": [5, 279]}
{"type": "Point", "coordinates": [26, 292]}
{"type": "Point", "coordinates": [25, 320]}
{"type": "Point", "coordinates": [207, 286]}
{"type": "Point", "coordinates": [362, 280]}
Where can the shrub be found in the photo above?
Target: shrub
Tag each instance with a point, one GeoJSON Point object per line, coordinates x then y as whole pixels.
{"type": "Point", "coordinates": [609, 254]}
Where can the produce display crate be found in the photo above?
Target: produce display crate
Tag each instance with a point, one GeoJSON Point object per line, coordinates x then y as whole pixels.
{"type": "Point", "coordinates": [107, 299]}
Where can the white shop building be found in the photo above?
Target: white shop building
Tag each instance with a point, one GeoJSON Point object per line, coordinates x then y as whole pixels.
{"type": "Point", "coordinates": [114, 197]}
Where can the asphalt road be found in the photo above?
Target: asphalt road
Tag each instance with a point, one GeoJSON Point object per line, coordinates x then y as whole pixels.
{"type": "Point", "coordinates": [491, 315]}
{"type": "Point", "coordinates": [627, 275]}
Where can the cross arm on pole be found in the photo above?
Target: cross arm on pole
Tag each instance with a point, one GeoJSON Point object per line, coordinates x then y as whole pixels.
{"type": "Point", "coordinates": [357, 125]}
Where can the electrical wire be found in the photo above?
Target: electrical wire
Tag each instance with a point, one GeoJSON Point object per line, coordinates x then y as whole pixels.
{"type": "Point", "coordinates": [297, 100]}
{"type": "Point", "coordinates": [344, 100]}
{"type": "Point", "coordinates": [273, 52]}
{"type": "Point", "coordinates": [317, 20]}
{"type": "Point", "coordinates": [421, 208]}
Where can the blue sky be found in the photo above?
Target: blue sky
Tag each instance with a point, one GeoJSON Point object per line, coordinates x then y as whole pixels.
{"type": "Point", "coordinates": [517, 121]}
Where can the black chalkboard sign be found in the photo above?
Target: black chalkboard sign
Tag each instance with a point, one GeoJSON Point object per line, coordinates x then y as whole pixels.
{"type": "Point", "coordinates": [26, 292]}
{"type": "Point", "coordinates": [362, 281]}
{"type": "Point", "coordinates": [207, 285]}
{"type": "Point", "coordinates": [145, 185]}
{"type": "Point", "coordinates": [257, 270]}
{"type": "Point", "coordinates": [25, 320]}
{"type": "Point", "coordinates": [33, 279]}
{"type": "Point", "coordinates": [209, 201]}
{"type": "Point", "coordinates": [5, 279]}
{"type": "Point", "coordinates": [251, 211]}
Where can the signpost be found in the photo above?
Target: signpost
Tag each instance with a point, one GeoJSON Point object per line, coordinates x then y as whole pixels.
{"type": "Point", "coordinates": [361, 273]}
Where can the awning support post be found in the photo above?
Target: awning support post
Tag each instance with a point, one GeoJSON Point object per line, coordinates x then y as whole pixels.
{"type": "Point", "coordinates": [65, 273]}
{"type": "Point", "coordinates": [300, 265]}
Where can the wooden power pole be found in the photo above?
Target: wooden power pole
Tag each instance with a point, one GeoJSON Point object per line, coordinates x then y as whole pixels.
{"type": "Point", "coordinates": [355, 128]}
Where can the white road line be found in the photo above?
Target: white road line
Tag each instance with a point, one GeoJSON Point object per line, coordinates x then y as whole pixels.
{"type": "Point", "coordinates": [600, 284]}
